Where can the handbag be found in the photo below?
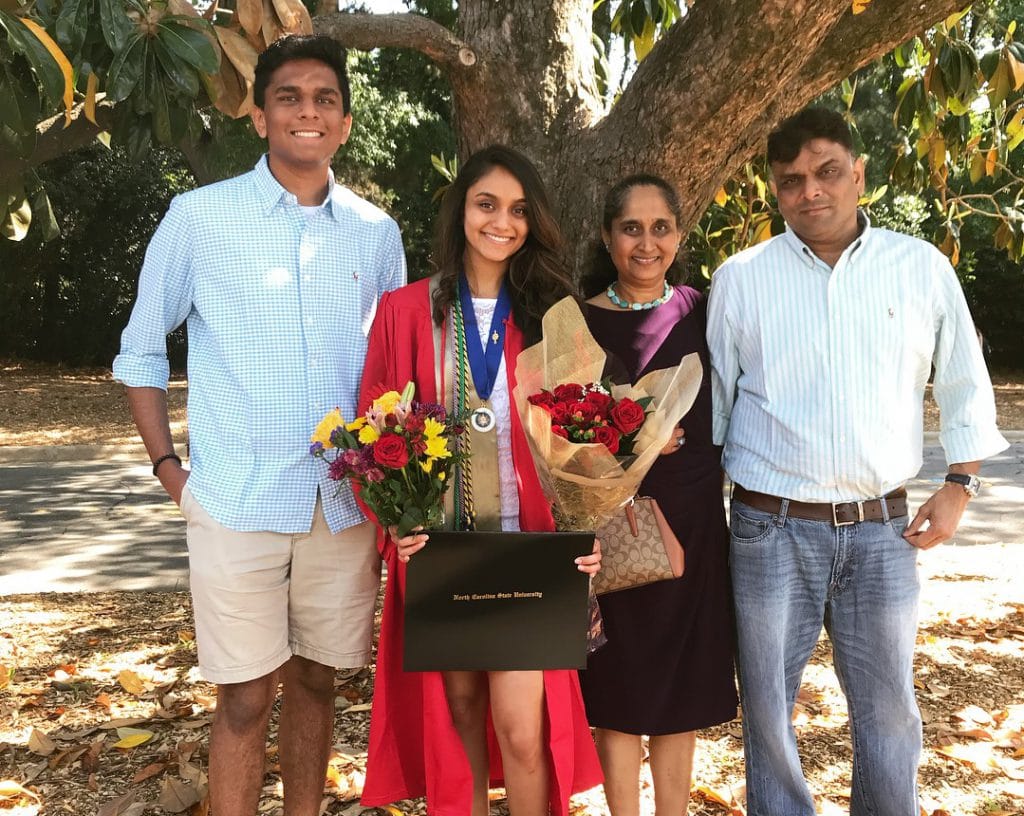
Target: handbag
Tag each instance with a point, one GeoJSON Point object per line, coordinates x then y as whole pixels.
{"type": "Point", "coordinates": [637, 547]}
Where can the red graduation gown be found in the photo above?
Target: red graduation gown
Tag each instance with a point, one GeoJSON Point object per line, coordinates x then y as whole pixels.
{"type": "Point", "coordinates": [414, 749]}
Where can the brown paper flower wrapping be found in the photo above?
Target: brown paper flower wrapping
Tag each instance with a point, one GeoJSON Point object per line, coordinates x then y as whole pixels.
{"type": "Point", "coordinates": [585, 481]}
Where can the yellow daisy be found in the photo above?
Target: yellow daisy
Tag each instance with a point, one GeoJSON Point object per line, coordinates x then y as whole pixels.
{"type": "Point", "coordinates": [327, 425]}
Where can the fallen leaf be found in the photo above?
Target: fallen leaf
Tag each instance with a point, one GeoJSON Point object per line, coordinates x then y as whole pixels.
{"type": "Point", "coordinates": [358, 707]}
{"type": "Point", "coordinates": [124, 722]}
{"type": "Point", "coordinates": [103, 699]}
{"type": "Point", "coordinates": [132, 737]}
{"type": "Point", "coordinates": [131, 682]}
{"type": "Point", "coordinates": [6, 673]}
{"type": "Point", "coordinates": [149, 771]}
{"type": "Point", "coordinates": [68, 756]}
{"type": "Point", "coordinates": [91, 760]}
{"type": "Point", "coordinates": [118, 806]}
{"type": "Point", "coordinates": [40, 743]}
{"type": "Point", "coordinates": [176, 796]}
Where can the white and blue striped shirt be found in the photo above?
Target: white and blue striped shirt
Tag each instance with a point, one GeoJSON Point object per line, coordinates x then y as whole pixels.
{"type": "Point", "coordinates": [279, 304]}
{"type": "Point", "coordinates": [819, 373]}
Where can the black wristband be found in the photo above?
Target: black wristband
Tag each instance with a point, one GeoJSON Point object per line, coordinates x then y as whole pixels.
{"type": "Point", "coordinates": [164, 458]}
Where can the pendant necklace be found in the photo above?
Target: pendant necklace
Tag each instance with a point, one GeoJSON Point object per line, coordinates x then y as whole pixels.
{"type": "Point", "coordinates": [484, 358]}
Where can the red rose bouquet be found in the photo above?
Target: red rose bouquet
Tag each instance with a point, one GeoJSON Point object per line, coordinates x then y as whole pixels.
{"type": "Point", "coordinates": [399, 454]}
{"type": "Point", "coordinates": [589, 413]}
{"type": "Point", "coordinates": [593, 444]}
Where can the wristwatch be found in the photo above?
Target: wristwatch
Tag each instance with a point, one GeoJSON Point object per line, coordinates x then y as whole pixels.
{"type": "Point", "coordinates": [969, 482]}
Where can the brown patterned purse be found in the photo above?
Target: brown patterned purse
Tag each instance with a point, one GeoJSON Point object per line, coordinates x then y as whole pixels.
{"type": "Point", "coordinates": [637, 547]}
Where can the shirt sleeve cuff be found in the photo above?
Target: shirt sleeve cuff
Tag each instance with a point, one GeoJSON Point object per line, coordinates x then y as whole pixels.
{"type": "Point", "coordinates": [142, 370]}
{"type": "Point", "coordinates": [972, 444]}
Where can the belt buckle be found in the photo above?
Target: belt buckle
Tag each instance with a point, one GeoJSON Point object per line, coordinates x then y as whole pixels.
{"type": "Point", "coordinates": [860, 514]}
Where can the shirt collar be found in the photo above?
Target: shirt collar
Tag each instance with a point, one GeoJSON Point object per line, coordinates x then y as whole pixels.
{"type": "Point", "coordinates": [806, 254]}
{"type": "Point", "coordinates": [271, 193]}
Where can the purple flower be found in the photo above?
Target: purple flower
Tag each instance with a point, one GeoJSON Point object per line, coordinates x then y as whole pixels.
{"type": "Point", "coordinates": [316, 448]}
{"type": "Point", "coordinates": [337, 469]}
{"type": "Point", "coordinates": [336, 437]}
{"type": "Point", "coordinates": [351, 459]}
{"type": "Point", "coordinates": [433, 410]}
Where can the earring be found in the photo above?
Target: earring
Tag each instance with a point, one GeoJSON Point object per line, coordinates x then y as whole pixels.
{"type": "Point", "coordinates": [607, 248]}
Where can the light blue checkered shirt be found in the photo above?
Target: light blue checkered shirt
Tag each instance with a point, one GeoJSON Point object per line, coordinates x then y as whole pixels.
{"type": "Point", "coordinates": [279, 306]}
{"type": "Point", "coordinates": [818, 374]}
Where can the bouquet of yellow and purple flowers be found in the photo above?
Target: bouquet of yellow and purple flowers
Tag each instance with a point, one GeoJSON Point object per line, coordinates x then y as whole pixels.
{"type": "Point", "coordinates": [400, 455]}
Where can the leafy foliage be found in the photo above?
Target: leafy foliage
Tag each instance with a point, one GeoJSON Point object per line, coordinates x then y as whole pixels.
{"type": "Point", "coordinates": [67, 300]}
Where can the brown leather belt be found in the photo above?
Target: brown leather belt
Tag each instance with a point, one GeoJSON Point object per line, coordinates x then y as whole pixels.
{"type": "Point", "coordinates": [838, 514]}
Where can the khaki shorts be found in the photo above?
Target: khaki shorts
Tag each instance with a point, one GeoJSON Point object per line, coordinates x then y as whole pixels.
{"type": "Point", "coordinates": [259, 598]}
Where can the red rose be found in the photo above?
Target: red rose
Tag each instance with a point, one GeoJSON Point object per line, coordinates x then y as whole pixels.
{"type": "Point", "coordinates": [561, 414]}
{"type": "Point", "coordinates": [545, 399]}
{"type": "Point", "coordinates": [558, 430]}
{"type": "Point", "coordinates": [607, 436]}
{"type": "Point", "coordinates": [414, 424]}
{"type": "Point", "coordinates": [596, 406]}
{"type": "Point", "coordinates": [627, 415]}
{"type": "Point", "coordinates": [391, 451]}
{"type": "Point", "coordinates": [569, 391]}
{"type": "Point", "coordinates": [602, 401]}
{"type": "Point", "coordinates": [587, 410]}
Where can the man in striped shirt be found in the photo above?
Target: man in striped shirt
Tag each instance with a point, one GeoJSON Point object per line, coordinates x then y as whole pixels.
{"type": "Point", "coordinates": [277, 273]}
{"type": "Point", "coordinates": [822, 340]}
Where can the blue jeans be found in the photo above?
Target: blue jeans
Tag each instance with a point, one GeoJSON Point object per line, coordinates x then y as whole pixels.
{"type": "Point", "coordinates": [789, 577]}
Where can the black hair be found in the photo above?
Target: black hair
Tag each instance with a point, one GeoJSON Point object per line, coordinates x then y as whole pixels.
{"type": "Point", "coordinates": [298, 47]}
{"type": "Point", "coordinates": [601, 272]}
{"type": "Point", "coordinates": [789, 138]}
{"type": "Point", "coordinates": [537, 276]}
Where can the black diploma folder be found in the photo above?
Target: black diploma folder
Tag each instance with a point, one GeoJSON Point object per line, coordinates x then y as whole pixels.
{"type": "Point", "coordinates": [497, 601]}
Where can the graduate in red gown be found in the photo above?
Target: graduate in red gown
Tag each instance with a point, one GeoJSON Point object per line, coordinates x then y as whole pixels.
{"type": "Point", "coordinates": [451, 735]}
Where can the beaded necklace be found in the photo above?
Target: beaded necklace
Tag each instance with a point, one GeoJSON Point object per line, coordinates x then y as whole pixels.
{"type": "Point", "coordinates": [636, 307]}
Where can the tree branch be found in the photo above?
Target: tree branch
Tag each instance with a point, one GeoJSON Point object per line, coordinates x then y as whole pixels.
{"type": "Point", "coordinates": [850, 46]}
{"type": "Point", "coordinates": [53, 139]}
{"type": "Point", "coordinates": [367, 31]}
{"type": "Point", "coordinates": [706, 97]}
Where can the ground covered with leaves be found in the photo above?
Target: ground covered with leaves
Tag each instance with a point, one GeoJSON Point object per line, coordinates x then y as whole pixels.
{"type": "Point", "coordinates": [102, 710]}
{"type": "Point", "coordinates": [50, 405]}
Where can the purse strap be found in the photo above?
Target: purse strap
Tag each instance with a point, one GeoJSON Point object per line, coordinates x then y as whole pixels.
{"type": "Point", "coordinates": [631, 519]}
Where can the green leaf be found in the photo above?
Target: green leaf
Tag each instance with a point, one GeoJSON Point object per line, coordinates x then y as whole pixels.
{"type": "Point", "coordinates": [157, 98]}
{"type": "Point", "coordinates": [126, 69]}
{"type": "Point", "coordinates": [43, 64]}
{"type": "Point", "coordinates": [412, 517]}
{"type": "Point", "coordinates": [190, 45]}
{"type": "Point", "coordinates": [116, 26]}
{"type": "Point", "coordinates": [18, 216]}
{"type": "Point", "coordinates": [181, 75]}
{"type": "Point", "coordinates": [19, 109]}
{"type": "Point", "coordinates": [73, 24]}
{"type": "Point", "coordinates": [42, 210]}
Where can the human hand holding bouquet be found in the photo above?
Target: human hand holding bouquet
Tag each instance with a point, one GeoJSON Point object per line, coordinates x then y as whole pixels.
{"type": "Point", "coordinates": [399, 454]}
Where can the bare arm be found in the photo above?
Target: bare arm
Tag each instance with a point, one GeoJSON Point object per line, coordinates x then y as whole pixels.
{"type": "Point", "coordinates": [149, 410]}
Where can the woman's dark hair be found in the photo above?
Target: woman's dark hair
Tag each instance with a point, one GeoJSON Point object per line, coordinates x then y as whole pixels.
{"type": "Point", "coordinates": [537, 275]}
{"type": "Point", "coordinates": [299, 47]}
{"type": "Point", "coordinates": [601, 272]}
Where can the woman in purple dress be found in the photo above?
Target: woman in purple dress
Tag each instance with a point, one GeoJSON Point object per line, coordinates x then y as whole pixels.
{"type": "Point", "coordinates": [667, 668]}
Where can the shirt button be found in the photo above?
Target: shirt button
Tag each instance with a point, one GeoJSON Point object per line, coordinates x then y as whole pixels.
{"type": "Point", "coordinates": [307, 278]}
{"type": "Point", "coordinates": [309, 320]}
{"type": "Point", "coordinates": [842, 440]}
